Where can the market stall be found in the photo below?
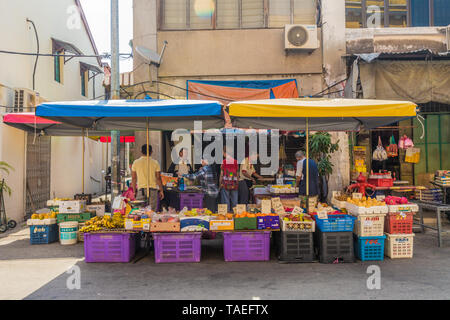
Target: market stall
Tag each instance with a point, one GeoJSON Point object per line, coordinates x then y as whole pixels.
{"type": "Point", "coordinates": [302, 230]}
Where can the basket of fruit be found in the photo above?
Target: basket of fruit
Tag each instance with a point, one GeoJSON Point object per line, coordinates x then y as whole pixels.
{"type": "Point", "coordinates": [298, 222]}
{"type": "Point", "coordinates": [245, 221]}
{"type": "Point", "coordinates": [400, 204]}
{"type": "Point", "coordinates": [165, 223]}
{"type": "Point", "coordinates": [365, 206]}
{"type": "Point", "coordinates": [221, 222]}
{"type": "Point", "coordinates": [98, 224]}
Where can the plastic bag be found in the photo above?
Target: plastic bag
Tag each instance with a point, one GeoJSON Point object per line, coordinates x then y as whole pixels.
{"type": "Point", "coordinates": [405, 142]}
{"type": "Point", "coordinates": [392, 149]}
{"type": "Point", "coordinates": [412, 155]}
{"type": "Point", "coordinates": [379, 154]}
{"type": "Point", "coordinates": [129, 194]}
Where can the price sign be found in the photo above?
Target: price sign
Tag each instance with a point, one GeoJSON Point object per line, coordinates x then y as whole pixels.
{"type": "Point", "coordinates": [222, 209]}
{"type": "Point", "coordinates": [357, 195]}
{"type": "Point", "coordinates": [297, 210]}
{"type": "Point", "coordinates": [322, 215]}
{"type": "Point", "coordinates": [381, 198]}
{"type": "Point", "coordinates": [336, 194]}
{"type": "Point", "coordinates": [278, 206]}
{"type": "Point", "coordinates": [266, 206]}
{"type": "Point", "coordinates": [241, 208]}
{"type": "Point", "coordinates": [118, 203]}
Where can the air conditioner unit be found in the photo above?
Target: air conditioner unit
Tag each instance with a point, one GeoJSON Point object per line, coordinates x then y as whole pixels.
{"type": "Point", "coordinates": [25, 100]}
{"type": "Point", "coordinates": [300, 37]}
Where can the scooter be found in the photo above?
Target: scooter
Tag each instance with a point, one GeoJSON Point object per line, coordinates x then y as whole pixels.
{"type": "Point", "coordinates": [5, 224]}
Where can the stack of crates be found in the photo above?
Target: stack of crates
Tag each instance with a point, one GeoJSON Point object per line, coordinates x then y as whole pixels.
{"type": "Point", "coordinates": [334, 239]}
{"type": "Point", "coordinates": [399, 232]}
{"type": "Point", "coordinates": [369, 238]}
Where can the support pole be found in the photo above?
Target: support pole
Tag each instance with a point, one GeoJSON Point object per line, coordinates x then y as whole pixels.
{"type": "Point", "coordinates": [106, 171]}
{"type": "Point", "coordinates": [148, 167]}
{"type": "Point", "coordinates": [115, 94]}
{"type": "Point", "coordinates": [84, 151]}
{"type": "Point", "coordinates": [307, 164]}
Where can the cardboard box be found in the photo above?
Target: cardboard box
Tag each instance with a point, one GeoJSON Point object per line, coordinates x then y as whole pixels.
{"type": "Point", "coordinates": [99, 209]}
{"type": "Point", "coordinates": [139, 225]}
{"type": "Point", "coordinates": [221, 225]}
{"type": "Point", "coordinates": [73, 206]}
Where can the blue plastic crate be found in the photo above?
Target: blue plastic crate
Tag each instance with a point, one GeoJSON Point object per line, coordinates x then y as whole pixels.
{"type": "Point", "coordinates": [43, 234]}
{"type": "Point", "coordinates": [336, 223]}
{"type": "Point", "coordinates": [369, 248]}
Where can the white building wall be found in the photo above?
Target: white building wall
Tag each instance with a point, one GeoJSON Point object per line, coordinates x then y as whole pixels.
{"type": "Point", "coordinates": [53, 19]}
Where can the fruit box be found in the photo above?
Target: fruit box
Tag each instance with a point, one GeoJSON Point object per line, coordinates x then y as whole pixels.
{"type": "Point", "coordinates": [193, 224]}
{"type": "Point", "coordinates": [338, 204]}
{"type": "Point", "coordinates": [300, 226]}
{"type": "Point", "coordinates": [143, 224]}
{"type": "Point", "coordinates": [37, 222]}
{"type": "Point", "coordinates": [409, 207]}
{"type": "Point", "coordinates": [79, 217]}
{"type": "Point", "coordinates": [245, 223]}
{"type": "Point", "coordinates": [165, 227]}
{"type": "Point", "coordinates": [99, 209]}
{"type": "Point", "coordinates": [221, 225]}
{"type": "Point", "coordinates": [73, 206]}
{"type": "Point", "coordinates": [268, 222]}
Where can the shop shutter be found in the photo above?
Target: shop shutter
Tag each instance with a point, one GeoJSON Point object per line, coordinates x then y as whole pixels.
{"type": "Point", "coordinates": [441, 13]}
{"type": "Point", "coordinates": [420, 13]}
{"type": "Point", "coordinates": [38, 172]}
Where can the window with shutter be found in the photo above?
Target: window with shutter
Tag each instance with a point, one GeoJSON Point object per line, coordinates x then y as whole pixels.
{"type": "Point", "coordinates": [227, 14]}
{"type": "Point", "coordinates": [252, 13]}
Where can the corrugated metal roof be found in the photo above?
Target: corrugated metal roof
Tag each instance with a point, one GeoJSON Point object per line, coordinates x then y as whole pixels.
{"type": "Point", "coordinates": [416, 54]}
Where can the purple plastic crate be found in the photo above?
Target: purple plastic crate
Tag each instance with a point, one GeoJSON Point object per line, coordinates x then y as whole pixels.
{"type": "Point", "coordinates": [191, 200]}
{"type": "Point", "coordinates": [109, 247]}
{"type": "Point", "coordinates": [268, 222]}
{"type": "Point", "coordinates": [246, 246]}
{"type": "Point", "coordinates": [178, 247]}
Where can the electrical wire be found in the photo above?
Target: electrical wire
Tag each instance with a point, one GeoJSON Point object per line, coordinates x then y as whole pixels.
{"type": "Point", "coordinates": [37, 53]}
{"type": "Point", "coordinates": [332, 86]}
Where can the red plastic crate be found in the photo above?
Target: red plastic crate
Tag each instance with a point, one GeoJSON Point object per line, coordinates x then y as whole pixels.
{"type": "Point", "coordinates": [381, 182]}
{"type": "Point", "coordinates": [398, 223]}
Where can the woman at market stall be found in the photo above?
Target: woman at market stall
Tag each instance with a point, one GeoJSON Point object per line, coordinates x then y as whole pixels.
{"type": "Point", "coordinates": [208, 182]}
{"type": "Point", "coordinates": [178, 170]}
{"type": "Point", "coordinates": [183, 166]}
{"type": "Point", "coordinates": [247, 176]}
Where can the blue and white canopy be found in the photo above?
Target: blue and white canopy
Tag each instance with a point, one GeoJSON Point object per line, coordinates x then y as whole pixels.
{"type": "Point", "coordinates": [134, 114]}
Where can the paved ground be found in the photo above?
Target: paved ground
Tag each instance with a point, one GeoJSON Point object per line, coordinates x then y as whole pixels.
{"type": "Point", "coordinates": [39, 272]}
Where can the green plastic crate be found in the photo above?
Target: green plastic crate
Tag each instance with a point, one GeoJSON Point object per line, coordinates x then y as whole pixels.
{"type": "Point", "coordinates": [245, 224]}
{"type": "Point", "coordinates": [80, 217]}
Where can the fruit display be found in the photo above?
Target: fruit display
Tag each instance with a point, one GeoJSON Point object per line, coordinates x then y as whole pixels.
{"type": "Point", "coordinates": [106, 222]}
{"type": "Point", "coordinates": [286, 188]}
{"type": "Point", "coordinates": [268, 221]}
{"type": "Point", "coordinates": [165, 223]}
{"type": "Point", "coordinates": [390, 200]}
{"type": "Point", "coordinates": [366, 202]}
{"type": "Point", "coordinates": [222, 222]}
{"type": "Point", "coordinates": [42, 219]}
{"type": "Point", "coordinates": [297, 222]}
{"type": "Point", "coordinates": [42, 216]}
{"type": "Point", "coordinates": [400, 204]}
{"type": "Point", "coordinates": [365, 205]}
{"type": "Point", "coordinates": [245, 221]}
{"type": "Point", "coordinates": [196, 212]}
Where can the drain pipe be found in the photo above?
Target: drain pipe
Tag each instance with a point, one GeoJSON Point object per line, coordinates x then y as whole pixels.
{"type": "Point", "coordinates": [37, 55]}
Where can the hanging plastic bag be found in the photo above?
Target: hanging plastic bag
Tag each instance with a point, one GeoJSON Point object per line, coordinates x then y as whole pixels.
{"type": "Point", "coordinates": [412, 155]}
{"type": "Point", "coordinates": [392, 149]}
{"type": "Point", "coordinates": [129, 194]}
{"type": "Point", "coordinates": [379, 154]}
{"type": "Point", "coordinates": [405, 142]}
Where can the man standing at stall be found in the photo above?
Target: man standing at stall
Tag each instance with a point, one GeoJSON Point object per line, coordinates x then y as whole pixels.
{"type": "Point", "coordinates": [301, 175]}
{"type": "Point", "coordinates": [207, 178]}
{"type": "Point", "coordinates": [147, 174]}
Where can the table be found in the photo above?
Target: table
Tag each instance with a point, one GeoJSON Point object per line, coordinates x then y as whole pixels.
{"type": "Point", "coordinates": [444, 190]}
{"type": "Point", "coordinates": [438, 208]}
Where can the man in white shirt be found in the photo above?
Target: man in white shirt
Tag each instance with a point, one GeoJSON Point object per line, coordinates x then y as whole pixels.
{"type": "Point", "coordinates": [301, 172]}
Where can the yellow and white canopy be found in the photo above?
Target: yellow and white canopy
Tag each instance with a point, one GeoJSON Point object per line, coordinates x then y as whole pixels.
{"type": "Point", "coordinates": [323, 114]}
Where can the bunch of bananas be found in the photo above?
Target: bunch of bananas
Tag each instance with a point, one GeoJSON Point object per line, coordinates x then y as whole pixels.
{"type": "Point", "coordinates": [105, 222]}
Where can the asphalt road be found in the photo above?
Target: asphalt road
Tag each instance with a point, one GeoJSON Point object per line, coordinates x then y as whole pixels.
{"type": "Point", "coordinates": [39, 272]}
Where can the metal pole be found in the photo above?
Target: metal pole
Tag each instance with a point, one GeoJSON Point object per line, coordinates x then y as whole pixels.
{"type": "Point", "coordinates": [148, 167]}
{"type": "Point", "coordinates": [115, 94]}
{"type": "Point", "coordinates": [106, 170]}
{"type": "Point", "coordinates": [82, 176]}
{"type": "Point", "coordinates": [307, 164]}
